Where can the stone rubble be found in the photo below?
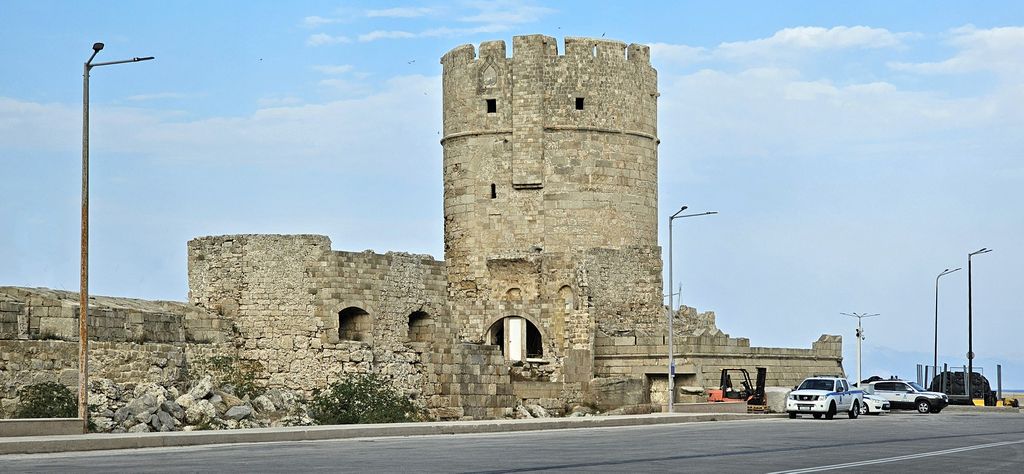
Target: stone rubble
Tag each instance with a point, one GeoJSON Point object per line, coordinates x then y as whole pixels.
{"type": "Point", "coordinates": [149, 407]}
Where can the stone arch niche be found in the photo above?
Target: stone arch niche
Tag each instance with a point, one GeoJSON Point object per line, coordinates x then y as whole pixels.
{"type": "Point", "coordinates": [514, 295]}
{"type": "Point", "coordinates": [421, 327]}
{"type": "Point", "coordinates": [567, 298]}
{"type": "Point", "coordinates": [355, 324]}
{"type": "Point", "coordinates": [518, 338]}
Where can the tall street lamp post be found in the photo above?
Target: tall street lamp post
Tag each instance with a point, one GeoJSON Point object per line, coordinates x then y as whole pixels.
{"type": "Point", "coordinates": [860, 337]}
{"type": "Point", "coordinates": [970, 328]}
{"type": "Point", "coordinates": [671, 308]}
{"type": "Point", "coordinates": [83, 302]}
{"type": "Point", "coordinates": [935, 358]}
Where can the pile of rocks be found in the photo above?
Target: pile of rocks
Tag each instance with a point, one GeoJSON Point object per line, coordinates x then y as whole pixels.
{"type": "Point", "coordinates": [206, 406]}
{"type": "Point", "coordinates": [529, 410]}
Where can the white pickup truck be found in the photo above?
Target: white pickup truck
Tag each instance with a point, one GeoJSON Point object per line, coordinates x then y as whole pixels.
{"type": "Point", "coordinates": [824, 395]}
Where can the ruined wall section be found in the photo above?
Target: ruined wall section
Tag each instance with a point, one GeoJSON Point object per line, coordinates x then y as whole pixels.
{"type": "Point", "coordinates": [533, 182]}
{"type": "Point", "coordinates": [397, 290]}
{"type": "Point", "coordinates": [27, 362]}
{"type": "Point", "coordinates": [623, 287]}
{"type": "Point", "coordinates": [41, 313]}
{"type": "Point", "coordinates": [700, 359]}
{"type": "Point", "coordinates": [285, 295]}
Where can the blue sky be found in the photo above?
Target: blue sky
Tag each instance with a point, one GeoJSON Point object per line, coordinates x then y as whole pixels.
{"type": "Point", "coordinates": [853, 150]}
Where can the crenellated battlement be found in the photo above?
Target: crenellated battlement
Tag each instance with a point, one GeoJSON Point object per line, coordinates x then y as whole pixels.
{"type": "Point", "coordinates": [541, 46]}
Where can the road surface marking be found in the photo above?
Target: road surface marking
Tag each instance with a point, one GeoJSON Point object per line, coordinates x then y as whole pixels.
{"type": "Point", "coordinates": [898, 458]}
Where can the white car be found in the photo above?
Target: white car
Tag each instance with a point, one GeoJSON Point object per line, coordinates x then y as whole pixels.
{"type": "Point", "coordinates": [908, 395]}
{"type": "Point", "coordinates": [824, 396]}
{"type": "Point", "coordinates": [874, 405]}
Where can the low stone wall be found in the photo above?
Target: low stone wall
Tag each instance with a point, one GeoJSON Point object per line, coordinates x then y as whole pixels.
{"type": "Point", "coordinates": [41, 313]}
{"type": "Point", "coordinates": [700, 359]}
{"type": "Point", "coordinates": [30, 362]}
{"type": "Point", "coordinates": [469, 381]}
{"type": "Point", "coordinates": [40, 427]}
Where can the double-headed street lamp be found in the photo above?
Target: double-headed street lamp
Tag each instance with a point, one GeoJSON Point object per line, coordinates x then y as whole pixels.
{"type": "Point", "coordinates": [83, 303]}
{"type": "Point", "coordinates": [860, 337]}
{"type": "Point", "coordinates": [671, 307]}
{"type": "Point", "coordinates": [935, 359]}
{"type": "Point", "coordinates": [970, 328]}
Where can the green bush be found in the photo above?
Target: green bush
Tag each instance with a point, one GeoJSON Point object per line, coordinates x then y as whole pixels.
{"type": "Point", "coordinates": [46, 400]}
{"type": "Point", "coordinates": [361, 398]}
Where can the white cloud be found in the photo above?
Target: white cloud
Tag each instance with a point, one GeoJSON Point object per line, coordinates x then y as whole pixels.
{"type": "Point", "coordinates": [318, 21]}
{"type": "Point", "coordinates": [321, 39]}
{"type": "Point", "coordinates": [677, 53]}
{"type": "Point", "coordinates": [451, 32]}
{"type": "Point", "coordinates": [506, 12]}
{"type": "Point", "coordinates": [996, 49]}
{"type": "Point", "coordinates": [442, 32]}
{"type": "Point", "coordinates": [333, 69]}
{"type": "Point", "coordinates": [32, 125]}
{"type": "Point", "coordinates": [404, 107]}
{"type": "Point", "coordinates": [796, 43]}
{"type": "Point", "coordinates": [812, 38]}
{"type": "Point", "coordinates": [385, 34]}
{"type": "Point", "coordinates": [399, 12]}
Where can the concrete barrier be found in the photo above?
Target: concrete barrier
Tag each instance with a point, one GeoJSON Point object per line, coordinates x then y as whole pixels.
{"type": "Point", "coordinates": [94, 442]}
{"type": "Point", "coordinates": [40, 426]}
{"type": "Point", "coordinates": [715, 407]}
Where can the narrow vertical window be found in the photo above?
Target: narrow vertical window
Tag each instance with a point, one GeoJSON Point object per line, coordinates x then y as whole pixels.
{"type": "Point", "coordinates": [492, 106]}
{"type": "Point", "coordinates": [494, 191]}
{"type": "Point", "coordinates": [579, 103]}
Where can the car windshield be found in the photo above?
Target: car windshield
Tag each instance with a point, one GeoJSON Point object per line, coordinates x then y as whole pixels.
{"type": "Point", "coordinates": [816, 384]}
{"type": "Point", "coordinates": [917, 387]}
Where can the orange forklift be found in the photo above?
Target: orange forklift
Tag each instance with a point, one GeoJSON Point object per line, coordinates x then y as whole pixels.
{"type": "Point", "coordinates": [752, 395]}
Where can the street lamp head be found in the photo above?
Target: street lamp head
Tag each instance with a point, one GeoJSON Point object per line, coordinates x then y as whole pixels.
{"type": "Point", "coordinates": [979, 251]}
{"type": "Point", "coordinates": [947, 272]}
{"type": "Point", "coordinates": [680, 211]}
{"type": "Point", "coordinates": [147, 58]}
{"type": "Point", "coordinates": [97, 47]}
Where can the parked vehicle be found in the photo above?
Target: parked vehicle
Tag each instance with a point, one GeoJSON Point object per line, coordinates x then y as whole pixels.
{"type": "Point", "coordinates": [874, 405]}
{"type": "Point", "coordinates": [909, 395]}
{"type": "Point", "coordinates": [752, 395]}
{"type": "Point", "coordinates": [824, 396]}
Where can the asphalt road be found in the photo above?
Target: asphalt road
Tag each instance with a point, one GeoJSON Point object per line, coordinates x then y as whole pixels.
{"type": "Point", "coordinates": [902, 442]}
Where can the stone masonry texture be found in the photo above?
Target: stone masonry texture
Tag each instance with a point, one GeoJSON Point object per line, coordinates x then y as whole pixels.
{"type": "Point", "coordinates": [550, 163]}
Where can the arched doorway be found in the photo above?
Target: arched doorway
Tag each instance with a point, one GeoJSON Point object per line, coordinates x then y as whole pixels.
{"type": "Point", "coordinates": [518, 338]}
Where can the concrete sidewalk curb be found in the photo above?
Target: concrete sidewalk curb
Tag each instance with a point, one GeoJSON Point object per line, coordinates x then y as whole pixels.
{"type": "Point", "coordinates": [105, 441]}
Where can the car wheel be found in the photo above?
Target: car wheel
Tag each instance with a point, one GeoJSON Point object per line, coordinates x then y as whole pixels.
{"type": "Point", "coordinates": [864, 410]}
{"type": "Point", "coordinates": [792, 415]}
{"type": "Point", "coordinates": [854, 410]}
{"type": "Point", "coordinates": [816, 415]}
{"type": "Point", "coordinates": [831, 413]}
{"type": "Point", "coordinates": [923, 406]}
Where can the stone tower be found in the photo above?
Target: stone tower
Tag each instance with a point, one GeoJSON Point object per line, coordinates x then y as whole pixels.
{"type": "Point", "coordinates": [550, 194]}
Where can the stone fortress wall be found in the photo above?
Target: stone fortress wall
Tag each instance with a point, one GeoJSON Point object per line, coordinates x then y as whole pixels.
{"type": "Point", "coordinates": [550, 292]}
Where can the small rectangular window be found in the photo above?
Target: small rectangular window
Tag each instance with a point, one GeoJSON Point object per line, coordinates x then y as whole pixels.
{"type": "Point", "coordinates": [579, 103]}
{"type": "Point", "coordinates": [492, 106]}
{"type": "Point", "coordinates": [494, 191]}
